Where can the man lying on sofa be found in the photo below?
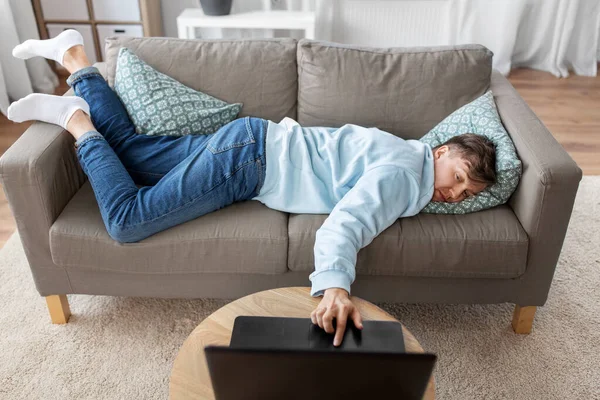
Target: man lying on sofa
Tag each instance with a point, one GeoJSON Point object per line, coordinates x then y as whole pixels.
{"type": "Point", "coordinates": [363, 178]}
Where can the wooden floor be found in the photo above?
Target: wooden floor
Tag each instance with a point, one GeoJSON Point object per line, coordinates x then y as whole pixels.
{"type": "Point", "coordinates": [569, 107]}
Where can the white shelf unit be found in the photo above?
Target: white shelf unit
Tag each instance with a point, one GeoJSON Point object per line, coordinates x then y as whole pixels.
{"type": "Point", "coordinates": [192, 18]}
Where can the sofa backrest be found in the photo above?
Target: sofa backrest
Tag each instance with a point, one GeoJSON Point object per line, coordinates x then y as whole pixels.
{"type": "Point", "coordinates": [404, 91]}
{"type": "Point", "coordinates": [260, 73]}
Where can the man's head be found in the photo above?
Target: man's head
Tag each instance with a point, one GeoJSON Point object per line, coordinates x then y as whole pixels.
{"type": "Point", "coordinates": [463, 166]}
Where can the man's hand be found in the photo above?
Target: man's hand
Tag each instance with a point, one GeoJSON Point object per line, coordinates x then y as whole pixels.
{"type": "Point", "coordinates": [336, 304]}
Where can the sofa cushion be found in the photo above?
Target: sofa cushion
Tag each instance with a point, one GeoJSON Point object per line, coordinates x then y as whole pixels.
{"type": "Point", "coordinates": [480, 117]}
{"type": "Point", "coordinates": [487, 244]}
{"type": "Point", "coordinates": [158, 105]}
{"type": "Point", "coordinates": [260, 73]}
{"type": "Point", "coordinates": [246, 237]}
{"type": "Point", "coordinates": [404, 90]}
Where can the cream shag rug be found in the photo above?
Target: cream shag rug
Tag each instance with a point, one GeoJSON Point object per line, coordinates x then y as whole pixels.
{"type": "Point", "coordinates": [123, 348]}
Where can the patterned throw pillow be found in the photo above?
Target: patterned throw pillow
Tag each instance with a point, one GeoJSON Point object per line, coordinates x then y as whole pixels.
{"type": "Point", "coordinates": [479, 117]}
{"type": "Point", "coordinates": [159, 105]}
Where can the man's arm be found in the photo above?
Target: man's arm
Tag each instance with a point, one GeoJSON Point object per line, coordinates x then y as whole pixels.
{"type": "Point", "coordinates": [379, 197]}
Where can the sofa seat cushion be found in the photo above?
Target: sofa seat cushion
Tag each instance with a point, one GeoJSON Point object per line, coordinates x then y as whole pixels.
{"type": "Point", "coordinates": [246, 237]}
{"type": "Point", "coordinates": [486, 244]}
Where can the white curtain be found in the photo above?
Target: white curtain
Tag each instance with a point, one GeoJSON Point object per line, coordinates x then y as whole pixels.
{"type": "Point", "coordinates": [18, 78]}
{"type": "Point", "coordinates": [550, 35]}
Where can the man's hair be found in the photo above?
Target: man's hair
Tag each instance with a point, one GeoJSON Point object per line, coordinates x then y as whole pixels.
{"type": "Point", "coordinates": [480, 154]}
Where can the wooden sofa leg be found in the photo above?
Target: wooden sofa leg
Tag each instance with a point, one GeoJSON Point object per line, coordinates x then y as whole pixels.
{"type": "Point", "coordinates": [523, 319]}
{"type": "Point", "coordinates": [58, 305]}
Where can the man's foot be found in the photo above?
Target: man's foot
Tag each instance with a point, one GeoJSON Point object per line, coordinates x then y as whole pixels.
{"type": "Point", "coordinates": [53, 49]}
{"type": "Point", "coordinates": [56, 110]}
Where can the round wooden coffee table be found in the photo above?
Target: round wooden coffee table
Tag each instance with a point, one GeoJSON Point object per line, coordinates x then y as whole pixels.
{"type": "Point", "coordinates": [190, 378]}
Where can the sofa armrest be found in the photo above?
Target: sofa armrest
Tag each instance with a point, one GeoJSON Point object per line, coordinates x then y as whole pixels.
{"type": "Point", "coordinates": [544, 198]}
{"type": "Point", "coordinates": [40, 173]}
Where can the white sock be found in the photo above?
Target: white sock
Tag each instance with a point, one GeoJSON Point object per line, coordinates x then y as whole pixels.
{"type": "Point", "coordinates": [56, 110]}
{"type": "Point", "coordinates": [54, 48]}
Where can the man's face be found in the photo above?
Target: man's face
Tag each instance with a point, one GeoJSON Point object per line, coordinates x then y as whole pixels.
{"type": "Point", "coordinates": [452, 183]}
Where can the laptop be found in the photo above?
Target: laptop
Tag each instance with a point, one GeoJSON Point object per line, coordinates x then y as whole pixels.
{"type": "Point", "coordinates": [290, 358]}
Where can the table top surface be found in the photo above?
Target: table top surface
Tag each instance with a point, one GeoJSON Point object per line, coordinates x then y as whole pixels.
{"type": "Point", "coordinates": [275, 18]}
{"type": "Point", "coordinates": [190, 378]}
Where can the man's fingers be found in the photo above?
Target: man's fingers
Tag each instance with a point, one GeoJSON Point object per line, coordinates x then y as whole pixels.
{"type": "Point", "coordinates": [313, 317]}
{"type": "Point", "coordinates": [328, 321]}
{"type": "Point", "coordinates": [320, 313]}
{"type": "Point", "coordinates": [340, 328]}
{"type": "Point", "coordinates": [357, 318]}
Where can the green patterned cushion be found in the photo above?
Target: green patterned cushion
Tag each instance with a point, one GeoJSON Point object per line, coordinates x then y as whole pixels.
{"type": "Point", "coordinates": [479, 117]}
{"type": "Point", "coordinates": [159, 105]}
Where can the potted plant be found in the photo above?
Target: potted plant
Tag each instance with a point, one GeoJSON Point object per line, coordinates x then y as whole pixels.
{"type": "Point", "coordinates": [216, 7]}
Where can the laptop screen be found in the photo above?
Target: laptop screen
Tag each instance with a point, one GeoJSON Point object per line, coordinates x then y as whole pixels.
{"type": "Point", "coordinates": [315, 374]}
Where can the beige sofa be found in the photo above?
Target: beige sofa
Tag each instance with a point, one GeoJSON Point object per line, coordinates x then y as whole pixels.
{"type": "Point", "coordinates": [505, 254]}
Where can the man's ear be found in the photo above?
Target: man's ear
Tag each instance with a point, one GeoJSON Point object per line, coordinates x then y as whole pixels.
{"type": "Point", "coordinates": [441, 151]}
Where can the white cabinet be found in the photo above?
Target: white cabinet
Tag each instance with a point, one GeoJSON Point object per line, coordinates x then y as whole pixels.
{"type": "Point", "coordinates": [85, 30]}
{"type": "Point", "coordinates": [72, 10]}
{"type": "Point", "coordinates": [105, 31]}
{"type": "Point", "coordinates": [116, 10]}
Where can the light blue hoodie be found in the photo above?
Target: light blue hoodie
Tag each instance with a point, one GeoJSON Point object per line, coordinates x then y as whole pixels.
{"type": "Point", "coordinates": [364, 178]}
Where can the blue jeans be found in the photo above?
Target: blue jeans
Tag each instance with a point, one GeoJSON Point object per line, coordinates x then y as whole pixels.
{"type": "Point", "coordinates": [183, 177]}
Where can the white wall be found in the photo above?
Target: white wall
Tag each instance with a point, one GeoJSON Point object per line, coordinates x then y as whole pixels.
{"type": "Point", "coordinates": [170, 10]}
{"type": "Point", "coordinates": [433, 36]}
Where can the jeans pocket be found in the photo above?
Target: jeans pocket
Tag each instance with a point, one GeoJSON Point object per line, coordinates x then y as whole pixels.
{"type": "Point", "coordinates": [235, 134]}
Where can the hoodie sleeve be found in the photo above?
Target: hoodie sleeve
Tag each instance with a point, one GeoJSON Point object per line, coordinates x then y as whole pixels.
{"type": "Point", "coordinates": [378, 198]}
